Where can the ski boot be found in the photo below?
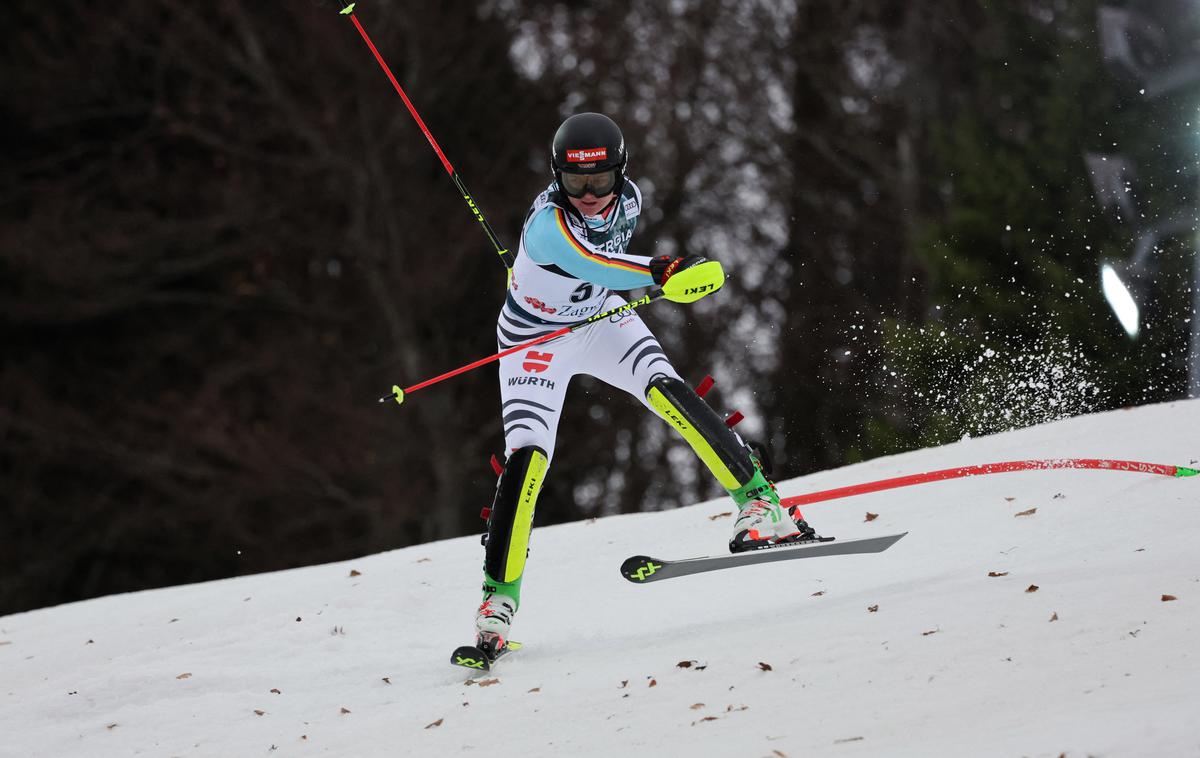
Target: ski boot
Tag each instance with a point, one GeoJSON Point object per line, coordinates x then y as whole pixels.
{"type": "Point", "coordinates": [762, 523]}
{"type": "Point", "coordinates": [492, 622]}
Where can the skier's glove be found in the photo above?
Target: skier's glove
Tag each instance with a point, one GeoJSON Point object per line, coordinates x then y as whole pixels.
{"type": "Point", "coordinates": [664, 267]}
{"type": "Point", "coordinates": [691, 278]}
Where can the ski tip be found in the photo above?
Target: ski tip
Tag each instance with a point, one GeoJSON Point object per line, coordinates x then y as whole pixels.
{"type": "Point", "coordinates": [1185, 471]}
{"type": "Point", "coordinates": [471, 657]}
{"type": "Point", "coordinates": [640, 568]}
{"type": "Point", "coordinates": [348, 9]}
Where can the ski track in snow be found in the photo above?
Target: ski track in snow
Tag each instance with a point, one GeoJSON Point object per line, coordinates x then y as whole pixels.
{"type": "Point", "coordinates": [953, 662]}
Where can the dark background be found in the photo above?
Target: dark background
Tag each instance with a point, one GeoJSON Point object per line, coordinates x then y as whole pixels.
{"type": "Point", "coordinates": [222, 238]}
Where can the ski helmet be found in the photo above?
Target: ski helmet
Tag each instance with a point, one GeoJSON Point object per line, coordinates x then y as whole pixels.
{"type": "Point", "coordinates": [589, 150]}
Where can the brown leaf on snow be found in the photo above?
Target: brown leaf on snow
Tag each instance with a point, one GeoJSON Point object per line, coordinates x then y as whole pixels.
{"type": "Point", "coordinates": [1054, 616]}
{"type": "Point", "coordinates": [275, 691]}
{"type": "Point", "coordinates": [386, 680]}
{"type": "Point", "coordinates": [536, 689]}
{"type": "Point", "coordinates": [623, 683]}
{"type": "Point", "coordinates": [110, 727]}
{"type": "Point", "coordinates": [653, 683]}
{"type": "Point", "coordinates": [1032, 588]}
{"type": "Point", "coordinates": [355, 572]}
{"type": "Point", "coordinates": [436, 723]}
{"type": "Point", "coordinates": [1029, 512]}
{"type": "Point", "coordinates": [764, 666]}
{"type": "Point", "coordinates": [259, 713]}
{"type": "Point", "coordinates": [423, 560]}
{"type": "Point", "coordinates": [997, 573]}
{"type": "Point", "coordinates": [731, 709]}
{"type": "Point", "coordinates": [818, 593]}
{"type": "Point", "coordinates": [1009, 499]}
{"type": "Point", "coordinates": [1168, 598]}
{"type": "Point", "coordinates": [345, 710]}
{"type": "Point", "coordinates": [847, 739]}
{"type": "Point", "coordinates": [720, 515]}
{"type": "Point", "coordinates": [931, 631]}
{"type": "Point", "coordinates": [488, 682]}
{"type": "Point", "coordinates": [872, 608]}
{"type": "Point", "coordinates": [781, 755]}
{"type": "Point", "coordinates": [696, 706]}
{"type": "Point", "coordinates": [871, 516]}
{"type": "Point", "coordinates": [706, 718]}
{"type": "Point", "coordinates": [184, 675]}
{"type": "Point", "coordinates": [684, 664]}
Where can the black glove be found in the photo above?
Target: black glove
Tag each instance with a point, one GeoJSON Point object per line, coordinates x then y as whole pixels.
{"type": "Point", "coordinates": [663, 267]}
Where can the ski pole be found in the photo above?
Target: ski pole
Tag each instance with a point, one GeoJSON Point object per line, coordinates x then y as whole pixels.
{"type": "Point", "coordinates": [503, 252]}
{"type": "Point", "coordinates": [399, 394]}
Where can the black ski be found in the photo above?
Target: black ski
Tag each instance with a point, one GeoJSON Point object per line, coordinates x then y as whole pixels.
{"type": "Point", "coordinates": [641, 569]}
{"type": "Point", "coordinates": [471, 657]}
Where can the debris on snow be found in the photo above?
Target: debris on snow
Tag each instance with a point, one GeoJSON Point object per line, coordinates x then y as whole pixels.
{"type": "Point", "coordinates": [1029, 512]}
{"type": "Point", "coordinates": [435, 723]}
{"type": "Point", "coordinates": [1168, 598]}
{"type": "Point", "coordinates": [1032, 588]}
{"type": "Point", "coordinates": [720, 515]}
{"type": "Point", "coordinates": [764, 666]}
{"type": "Point", "coordinates": [872, 608]}
{"type": "Point", "coordinates": [355, 572]}
{"type": "Point", "coordinates": [997, 573]}
{"type": "Point", "coordinates": [871, 516]}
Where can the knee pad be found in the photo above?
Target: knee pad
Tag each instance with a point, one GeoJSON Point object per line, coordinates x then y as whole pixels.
{"type": "Point", "coordinates": [715, 443]}
{"type": "Point", "coordinates": [512, 514]}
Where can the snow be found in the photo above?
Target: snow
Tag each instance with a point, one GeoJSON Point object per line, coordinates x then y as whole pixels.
{"type": "Point", "coordinates": [952, 662]}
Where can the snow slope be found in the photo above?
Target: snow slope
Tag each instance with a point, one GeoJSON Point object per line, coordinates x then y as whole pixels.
{"type": "Point", "coordinates": [351, 659]}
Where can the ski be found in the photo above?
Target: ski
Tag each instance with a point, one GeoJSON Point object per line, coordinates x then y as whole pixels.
{"type": "Point", "coordinates": [641, 569]}
{"type": "Point", "coordinates": [471, 657]}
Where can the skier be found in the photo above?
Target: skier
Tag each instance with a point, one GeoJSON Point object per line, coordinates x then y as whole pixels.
{"type": "Point", "coordinates": [572, 255]}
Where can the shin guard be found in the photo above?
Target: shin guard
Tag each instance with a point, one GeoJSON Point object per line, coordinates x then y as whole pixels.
{"type": "Point", "coordinates": [716, 444]}
{"type": "Point", "coordinates": [511, 520]}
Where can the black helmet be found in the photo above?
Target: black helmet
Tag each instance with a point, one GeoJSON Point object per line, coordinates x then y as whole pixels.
{"type": "Point", "coordinates": [589, 144]}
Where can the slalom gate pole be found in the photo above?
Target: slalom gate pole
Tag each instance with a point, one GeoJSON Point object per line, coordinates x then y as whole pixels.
{"type": "Point", "coordinates": [990, 468]}
{"type": "Point", "coordinates": [399, 394]}
{"type": "Point", "coordinates": [502, 251]}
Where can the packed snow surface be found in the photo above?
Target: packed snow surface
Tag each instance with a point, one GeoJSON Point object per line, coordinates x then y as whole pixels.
{"type": "Point", "coordinates": [1025, 614]}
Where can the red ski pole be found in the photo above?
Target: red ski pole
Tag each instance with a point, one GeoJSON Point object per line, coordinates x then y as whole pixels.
{"type": "Point", "coordinates": [399, 394]}
{"type": "Point", "coordinates": [503, 252]}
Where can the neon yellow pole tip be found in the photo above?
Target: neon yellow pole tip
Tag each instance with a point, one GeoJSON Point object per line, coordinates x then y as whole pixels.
{"type": "Point", "coordinates": [348, 9]}
{"type": "Point", "coordinates": [1185, 471]}
{"type": "Point", "coordinates": [398, 394]}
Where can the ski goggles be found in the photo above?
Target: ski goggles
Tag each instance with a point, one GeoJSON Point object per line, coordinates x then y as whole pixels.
{"type": "Point", "coordinates": [578, 185]}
